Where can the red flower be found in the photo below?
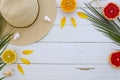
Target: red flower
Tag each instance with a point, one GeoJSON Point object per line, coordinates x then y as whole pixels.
{"type": "Point", "coordinates": [115, 59]}
{"type": "Point", "coordinates": [111, 11]}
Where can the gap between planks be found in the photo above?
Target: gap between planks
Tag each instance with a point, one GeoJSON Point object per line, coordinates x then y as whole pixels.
{"type": "Point", "coordinates": [66, 63]}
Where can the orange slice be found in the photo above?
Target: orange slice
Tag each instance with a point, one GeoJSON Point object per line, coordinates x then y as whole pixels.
{"type": "Point", "coordinates": [68, 5]}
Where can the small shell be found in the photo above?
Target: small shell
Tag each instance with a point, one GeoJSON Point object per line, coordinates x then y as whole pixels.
{"type": "Point", "coordinates": [17, 36]}
{"type": "Point", "coordinates": [9, 72]}
{"type": "Point", "coordinates": [47, 19]}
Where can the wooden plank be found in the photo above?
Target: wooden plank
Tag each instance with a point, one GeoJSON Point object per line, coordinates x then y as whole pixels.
{"type": "Point", "coordinates": [80, 3]}
{"type": "Point", "coordinates": [83, 33]}
{"type": "Point", "coordinates": [61, 14]}
{"type": "Point", "coordinates": [79, 20]}
{"type": "Point", "coordinates": [67, 53]}
{"type": "Point", "coordinates": [65, 72]}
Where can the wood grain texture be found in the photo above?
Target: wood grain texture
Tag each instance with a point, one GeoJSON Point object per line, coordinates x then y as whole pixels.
{"type": "Point", "coordinates": [68, 53]}
{"type": "Point", "coordinates": [63, 51]}
{"type": "Point", "coordinates": [66, 72]}
{"type": "Point", "coordinates": [80, 3]}
{"type": "Point", "coordinates": [82, 33]}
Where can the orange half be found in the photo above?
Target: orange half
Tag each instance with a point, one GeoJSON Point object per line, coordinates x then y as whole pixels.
{"type": "Point", "coordinates": [68, 5]}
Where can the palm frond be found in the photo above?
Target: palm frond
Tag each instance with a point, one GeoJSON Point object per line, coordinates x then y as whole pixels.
{"type": "Point", "coordinates": [4, 39]}
{"type": "Point", "coordinates": [109, 27]}
{"type": "Point", "coordinates": [2, 78]}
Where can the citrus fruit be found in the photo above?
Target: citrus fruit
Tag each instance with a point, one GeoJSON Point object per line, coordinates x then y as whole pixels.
{"type": "Point", "coordinates": [114, 59]}
{"type": "Point", "coordinates": [68, 5]}
{"type": "Point", "coordinates": [9, 56]}
{"type": "Point", "coordinates": [111, 11]}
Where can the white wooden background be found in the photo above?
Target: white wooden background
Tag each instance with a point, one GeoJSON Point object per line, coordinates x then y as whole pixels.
{"type": "Point", "coordinates": [57, 56]}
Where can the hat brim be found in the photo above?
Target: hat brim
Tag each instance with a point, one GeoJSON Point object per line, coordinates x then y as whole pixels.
{"type": "Point", "coordinates": [40, 28]}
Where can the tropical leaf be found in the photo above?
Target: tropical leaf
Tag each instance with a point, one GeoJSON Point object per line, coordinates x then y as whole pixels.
{"type": "Point", "coordinates": [3, 78]}
{"type": "Point", "coordinates": [63, 22]}
{"type": "Point", "coordinates": [25, 61]}
{"type": "Point", "coordinates": [82, 15]}
{"type": "Point", "coordinates": [27, 52]}
{"type": "Point", "coordinates": [109, 27]}
{"type": "Point", "coordinates": [4, 39]}
{"type": "Point", "coordinates": [73, 21]}
{"type": "Point", "coordinates": [20, 69]}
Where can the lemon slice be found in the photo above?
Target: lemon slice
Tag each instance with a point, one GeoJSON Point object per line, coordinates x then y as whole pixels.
{"type": "Point", "coordinates": [9, 56]}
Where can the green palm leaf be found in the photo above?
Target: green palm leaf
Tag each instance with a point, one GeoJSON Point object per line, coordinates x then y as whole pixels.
{"type": "Point", "coordinates": [4, 39]}
{"type": "Point", "coordinates": [109, 27]}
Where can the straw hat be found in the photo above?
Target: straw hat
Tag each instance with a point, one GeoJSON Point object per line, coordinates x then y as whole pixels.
{"type": "Point", "coordinates": [28, 18]}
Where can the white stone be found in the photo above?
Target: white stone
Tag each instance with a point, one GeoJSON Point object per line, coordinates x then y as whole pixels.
{"type": "Point", "coordinates": [47, 19]}
{"type": "Point", "coordinates": [17, 36]}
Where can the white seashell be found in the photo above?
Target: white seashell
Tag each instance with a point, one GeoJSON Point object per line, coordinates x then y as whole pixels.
{"type": "Point", "coordinates": [47, 19]}
{"type": "Point", "coordinates": [9, 72]}
{"type": "Point", "coordinates": [17, 36]}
